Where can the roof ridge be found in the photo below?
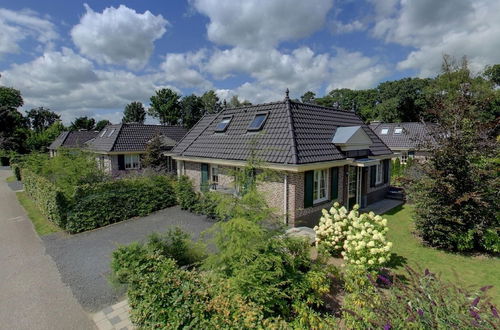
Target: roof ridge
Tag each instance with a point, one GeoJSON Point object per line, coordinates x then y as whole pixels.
{"type": "Point", "coordinates": [321, 106]}
{"type": "Point", "coordinates": [291, 130]}
{"type": "Point", "coordinates": [251, 106]}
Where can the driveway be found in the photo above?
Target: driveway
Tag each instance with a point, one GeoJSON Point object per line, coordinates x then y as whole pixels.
{"type": "Point", "coordinates": [84, 259]}
{"type": "Point", "coordinates": [32, 295]}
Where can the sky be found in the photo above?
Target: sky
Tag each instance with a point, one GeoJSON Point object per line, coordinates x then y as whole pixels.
{"type": "Point", "coordinates": [92, 58]}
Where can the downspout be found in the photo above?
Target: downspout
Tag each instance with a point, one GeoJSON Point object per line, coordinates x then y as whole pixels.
{"type": "Point", "coordinates": [285, 198]}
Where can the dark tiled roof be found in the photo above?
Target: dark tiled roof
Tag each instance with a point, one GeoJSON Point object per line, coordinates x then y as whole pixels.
{"type": "Point", "coordinates": [133, 137]}
{"type": "Point", "coordinates": [73, 139]}
{"type": "Point", "coordinates": [412, 136]}
{"type": "Point", "coordinates": [294, 133]}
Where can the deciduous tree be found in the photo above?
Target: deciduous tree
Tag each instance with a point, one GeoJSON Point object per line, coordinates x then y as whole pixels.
{"type": "Point", "coordinates": [165, 106]}
{"type": "Point", "coordinates": [134, 113]}
{"type": "Point", "coordinates": [84, 123]}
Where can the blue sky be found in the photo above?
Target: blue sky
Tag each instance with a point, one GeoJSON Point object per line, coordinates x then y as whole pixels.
{"type": "Point", "coordinates": [92, 58]}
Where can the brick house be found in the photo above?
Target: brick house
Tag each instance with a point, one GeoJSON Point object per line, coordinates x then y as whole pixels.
{"type": "Point", "coordinates": [406, 139]}
{"type": "Point", "coordinates": [119, 148]}
{"type": "Point", "coordinates": [71, 139]}
{"type": "Point", "coordinates": [321, 154]}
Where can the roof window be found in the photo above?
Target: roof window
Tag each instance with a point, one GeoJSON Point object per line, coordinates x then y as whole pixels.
{"type": "Point", "coordinates": [111, 133]}
{"type": "Point", "coordinates": [384, 131]}
{"type": "Point", "coordinates": [398, 130]}
{"type": "Point", "coordinates": [103, 133]}
{"type": "Point", "coordinates": [258, 121]}
{"type": "Point", "coordinates": [223, 124]}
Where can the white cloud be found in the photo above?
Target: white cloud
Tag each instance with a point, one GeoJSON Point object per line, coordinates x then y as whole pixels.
{"type": "Point", "coordinates": [15, 26]}
{"type": "Point", "coordinates": [341, 28]}
{"type": "Point", "coordinates": [118, 35]}
{"type": "Point", "coordinates": [434, 28]}
{"type": "Point", "coordinates": [184, 68]}
{"type": "Point", "coordinates": [262, 23]}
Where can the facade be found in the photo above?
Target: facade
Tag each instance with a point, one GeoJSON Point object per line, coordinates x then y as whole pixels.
{"type": "Point", "coordinates": [71, 139]}
{"type": "Point", "coordinates": [406, 140]}
{"type": "Point", "coordinates": [320, 155]}
{"type": "Point", "coordinates": [119, 148]}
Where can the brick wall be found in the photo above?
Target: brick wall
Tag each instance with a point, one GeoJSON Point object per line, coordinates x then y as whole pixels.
{"type": "Point", "coordinates": [193, 171]}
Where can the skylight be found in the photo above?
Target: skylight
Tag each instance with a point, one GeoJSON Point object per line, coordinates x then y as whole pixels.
{"type": "Point", "coordinates": [103, 133]}
{"type": "Point", "coordinates": [398, 130]}
{"type": "Point", "coordinates": [111, 133]}
{"type": "Point", "coordinates": [384, 131]}
{"type": "Point", "coordinates": [223, 124]}
{"type": "Point", "coordinates": [257, 122]}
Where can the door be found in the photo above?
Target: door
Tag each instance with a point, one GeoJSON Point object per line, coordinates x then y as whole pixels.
{"type": "Point", "coordinates": [352, 187]}
{"type": "Point", "coordinates": [204, 177]}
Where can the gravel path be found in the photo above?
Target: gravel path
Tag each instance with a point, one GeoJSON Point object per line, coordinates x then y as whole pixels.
{"type": "Point", "coordinates": [83, 259]}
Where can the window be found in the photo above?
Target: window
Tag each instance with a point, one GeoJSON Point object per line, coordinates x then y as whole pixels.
{"type": "Point", "coordinates": [398, 130]}
{"type": "Point", "coordinates": [224, 123]}
{"type": "Point", "coordinates": [404, 157]}
{"type": "Point", "coordinates": [101, 162]}
{"type": "Point", "coordinates": [111, 133]}
{"type": "Point", "coordinates": [103, 133]}
{"type": "Point", "coordinates": [320, 187]}
{"type": "Point", "coordinates": [214, 174]}
{"type": "Point", "coordinates": [379, 174]}
{"type": "Point", "coordinates": [131, 162]}
{"type": "Point", "coordinates": [257, 122]}
{"type": "Point", "coordinates": [384, 131]}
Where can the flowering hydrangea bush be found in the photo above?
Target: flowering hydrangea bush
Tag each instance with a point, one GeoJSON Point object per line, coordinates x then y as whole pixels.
{"type": "Point", "coordinates": [360, 239]}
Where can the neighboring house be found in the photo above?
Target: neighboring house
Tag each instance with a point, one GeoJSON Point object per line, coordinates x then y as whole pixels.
{"type": "Point", "coordinates": [406, 140]}
{"type": "Point", "coordinates": [71, 139]}
{"type": "Point", "coordinates": [119, 147]}
{"type": "Point", "coordinates": [322, 155]}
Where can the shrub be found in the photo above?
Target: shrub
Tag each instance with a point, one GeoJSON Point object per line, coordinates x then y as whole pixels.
{"type": "Point", "coordinates": [100, 204]}
{"type": "Point", "coordinates": [360, 239]}
{"type": "Point", "coordinates": [423, 301]}
{"type": "Point", "coordinates": [207, 204]}
{"type": "Point", "coordinates": [186, 196]}
{"type": "Point", "coordinates": [17, 172]}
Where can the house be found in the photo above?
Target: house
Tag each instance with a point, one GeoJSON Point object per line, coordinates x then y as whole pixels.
{"type": "Point", "coordinates": [71, 139]}
{"type": "Point", "coordinates": [321, 154]}
{"type": "Point", "coordinates": [406, 140]}
{"type": "Point", "coordinates": [120, 147]}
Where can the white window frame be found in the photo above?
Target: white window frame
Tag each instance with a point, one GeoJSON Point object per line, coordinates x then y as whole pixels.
{"type": "Point", "coordinates": [132, 162]}
{"type": "Point", "coordinates": [319, 177]}
{"type": "Point", "coordinates": [404, 157]}
{"type": "Point", "coordinates": [214, 174]}
{"type": "Point", "coordinates": [379, 173]}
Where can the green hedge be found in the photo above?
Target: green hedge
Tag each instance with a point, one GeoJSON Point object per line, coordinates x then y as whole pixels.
{"type": "Point", "coordinates": [108, 202]}
{"type": "Point", "coordinates": [49, 199]}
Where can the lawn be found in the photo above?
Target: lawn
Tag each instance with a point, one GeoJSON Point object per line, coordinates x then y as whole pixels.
{"type": "Point", "coordinates": [11, 178]}
{"type": "Point", "coordinates": [476, 271]}
{"type": "Point", "coordinates": [42, 225]}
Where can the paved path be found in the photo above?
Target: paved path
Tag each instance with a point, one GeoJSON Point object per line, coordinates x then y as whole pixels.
{"type": "Point", "coordinates": [83, 259]}
{"type": "Point", "coordinates": [32, 295]}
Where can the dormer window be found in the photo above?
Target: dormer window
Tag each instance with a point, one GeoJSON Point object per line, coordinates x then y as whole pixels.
{"type": "Point", "coordinates": [398, 130]}
{"type": "Point", "coordinates": [258, 121]}
{"type": "Point", "coordinates": [384, 131]}
{"type": "Point", "coordinates": [223, 124]}
{"type": "Point", "coordinates": [103, 133]}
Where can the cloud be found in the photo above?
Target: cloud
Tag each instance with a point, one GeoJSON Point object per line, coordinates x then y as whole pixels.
{"type": "Point", "coordinates": [184, 68]}
{"type": "Point", "coordinates": [19, 25]}
{"type": "Point", "coordinates": [118, 36]}
{"type": "Point", "coordinates": [433, 28]}
{"type": "Point", "coordinates": [262, 23]}
{"type": "Point", "coordinates": [341, 28]}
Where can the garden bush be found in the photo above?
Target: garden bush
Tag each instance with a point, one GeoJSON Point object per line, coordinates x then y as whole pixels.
{"type": "Point", "coordinates": [359, 238]}
{"type": "Point", "coordinates": [101, 204]}
{"type": "Point", "coordinates": [186, 196]}
{"type": "Point", "coordinates": [17, 171]}
{"type": "Point", "coordinates": [47, 196]}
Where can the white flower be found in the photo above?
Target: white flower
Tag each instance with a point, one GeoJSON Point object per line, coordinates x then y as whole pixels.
{"type": "Point", "coordinates": [381, 260]}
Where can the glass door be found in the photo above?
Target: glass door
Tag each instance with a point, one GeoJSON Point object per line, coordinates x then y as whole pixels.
{"type": "Point", "coordinates": [352, 186]}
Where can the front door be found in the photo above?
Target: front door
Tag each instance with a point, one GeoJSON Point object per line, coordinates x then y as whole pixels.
{"type": "Point", "coordinates": [352, 186]}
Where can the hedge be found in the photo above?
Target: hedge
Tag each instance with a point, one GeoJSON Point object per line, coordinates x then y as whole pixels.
{"type": "Point", "coordinates": [108, 202]}
{"type": "Point", "coordinates": [49, 199]}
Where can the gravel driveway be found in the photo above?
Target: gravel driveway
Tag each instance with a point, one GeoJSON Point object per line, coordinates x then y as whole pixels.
{"type": "Point", "coordinates": [83, 259]}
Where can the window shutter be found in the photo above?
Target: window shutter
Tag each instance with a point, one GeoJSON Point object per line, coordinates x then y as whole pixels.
{"type": "Point", "coordinates": [204, 177]}
{"type": "Point", "coordinates": [121, 162]}
{"type": "Point", "coordinates": [334, 184]}
{"type": "Point", "coordinates": [386, 170]}
{"type": "Point", "coordinates": [308, 188]}
{"type": "Point", "coordinates": [373, 175]}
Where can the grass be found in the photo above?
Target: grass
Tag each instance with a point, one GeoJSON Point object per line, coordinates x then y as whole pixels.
{"type": "Point", "coordinates": [476, 271]}
{"type": "Point", "coordinates": [42, 225]}
{"type": "Point", "coordinates": [11, 178]}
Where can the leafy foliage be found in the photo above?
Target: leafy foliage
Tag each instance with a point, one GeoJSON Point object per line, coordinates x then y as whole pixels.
{"type": "Point", "coordinates": [42, 118]}
{"type": "Point", "coordinates": [84, 123]}
{"type": "Point", "coordinates": [154, 157]}
{"type": "Point", "coordinates": [134, 113]}
{"type": "Point", "coordinates": [13, 126]}
{"type": "Point", "coordinates": [10, 97]}
{"type": "Point", "coordinates": [211, 102]}
{"type": "Point", "coordinates": [186, 196]}
{"type": "Point", "coordinates": [40, 140]}
{"type": "Point", "coordinates": [192, 110]}
{"type": "Point", "coordinates": [165, 106]}
{"type": "Point", "coordinates": [101, 124]}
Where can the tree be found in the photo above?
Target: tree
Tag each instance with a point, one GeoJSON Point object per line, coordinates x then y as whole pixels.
{"type": "Point", "coordinates": [308, 97]}
{"type": "Point", "coordinates": [456, 196]}
{"type": "Point", "coordinates": [40, 140]}
{"type": "Point", "coordinates": [101, 124]}
{"type": "Point", "coordinates": [10, 97]}
{"type": "Point", "coordinates": [154, 157]}
{"type": "Point", "coordinates": [235, 102]}
{"type": "Point", "coordinates": [166, 107]}
{"type": "Point", "coordinates": [13, 126]}
{"type": "Point", "coordinates": [134, 113]}
{"type": "Point", "coordinates": [363, 102]}
{"type": "Point", "coordinates": [192, 110]}
{"type": "Point", "coordinates": [492, 72]}
{"type": "Point", "coordinates": [211, 102]}
{"type": "Point", "coordinates": [84, 123]}
{"type": "Point", "coordinates": [42, 118]}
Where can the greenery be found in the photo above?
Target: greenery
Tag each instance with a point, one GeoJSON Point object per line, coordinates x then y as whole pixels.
{"type": "Point", "coordinates": [39, 140]}
{"type": "Point", "coordinates": [186, 196]}
{"type": "Point", "coordinates": [84, 123]}
{"type": "Point", "coordinates": [101, 124]}
{"type": "Point", "coordinates": [154, 158]}
{"type": "Point", "coordinates": [13, 126]}
{"type": "Point", "coordinates": [100, 204]}
{"type": "Point", "coordinates": [42, 225]}
{"type": "Point", "coordinates": [165, 106]}
{"type": "Point", "coordinates": [11, 178]}
{"type": "Point", "coordinates": [211, 102]}
{"type": "Point", "coordinates": [134, 113]}
{"type": "Point", "coordinates": [456, 196]}
{"type": "Point", "coordinates": [42, 118]}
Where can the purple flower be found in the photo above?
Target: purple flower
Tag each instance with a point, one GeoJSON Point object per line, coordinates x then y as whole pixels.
{"type": "Point", "coordinates": [494, 312]}
{"type": "Point", "coordinates": [427, 272]}
{"type": "Point", "coordinates": [474, 314]}
{"type": "Point", "coordinates": [387, 326]}
{"type": "Point", "coordinates": [384, 279]}
{"type": "Point", "coordinates": [474, 303]}
{"type": "Point", "coordinates": [484, 288]}
{"type": "Point", "coordinates": [420, 312]}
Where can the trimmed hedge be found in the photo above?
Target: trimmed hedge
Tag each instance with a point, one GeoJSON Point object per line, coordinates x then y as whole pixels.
{"type": "Point", "coordinates": [49, 199]}
{"type": "Point", "coordinates": [108, 202]}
